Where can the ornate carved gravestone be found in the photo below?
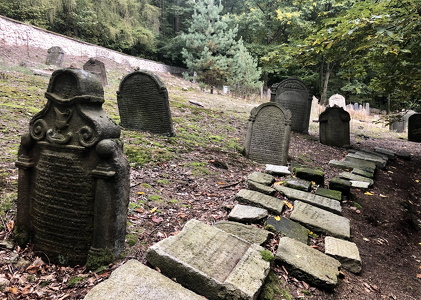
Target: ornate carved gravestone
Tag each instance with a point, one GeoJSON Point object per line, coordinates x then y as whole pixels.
{"type": "Point", "coordinates": [338, 100]}
{"type": "Point", "coordinates": [55, 56]}
{"type": "Point", "coordinates": [143, 104]}
{"type": "Point", "coordinates": [292, 94]}
{"type": "Point", "coordinates": [73, 178]}
{"type": "Point", "coordinates": [414, 128]}
{"type": "Point", "coordinates": [97, 68]}
{"type": "Point", "coordinates": [268, 134]}
{"type": "Point", "coordinates": [334, 127]}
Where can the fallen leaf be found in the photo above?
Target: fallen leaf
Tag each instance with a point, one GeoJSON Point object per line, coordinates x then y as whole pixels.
{"type": "Point", "coordinates": [141, 193]}
{"type": "Point", "coordinates": [10, 226]}
{"type": "Point", "coordinates": [368, 193]}
{"type": "Point", "coordinates": [277, 218]}
{"type": "Point", "coordinates": [279, 183]}
{"type": "Point", "coordinates": [383, 196]}
{"type": "Point", "coordinates": [416, 180]}
{"type": "Point", "coordinates": [153, 210]}
{"type": "Point", "coordinates": [221, 183]}
{"type": "Point", "coordinates": [12, 289]}
{"type": "Point", "coordinates": [156, 219]}
{"type": "Point", "coordinates": [418, 275]}
{"type": "Point", "coordinates": [390, 172]}
{"type": "Point", "coordinates": [288, 204]}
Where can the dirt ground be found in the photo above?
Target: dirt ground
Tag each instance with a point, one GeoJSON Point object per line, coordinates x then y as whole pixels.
{"type": "Point", "coordinates": [385, 220]}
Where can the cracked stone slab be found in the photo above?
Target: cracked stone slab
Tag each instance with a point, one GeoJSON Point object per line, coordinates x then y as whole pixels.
{"type": "Point", "coordinates": [277, 170]}
{"type": "Point", "coordinates": [333, 194]}
{"type": "Point", "coordinates": [247, 213]}
{"type": "Point", "coordinates": [320, 220]}
{"type": "Point", "coordinates": [378, 161]}
{"type": "Point", "coordinates": [288, 228]}
{"type": "Point", "coordinates": [250, 233]}
{"type": "Point", "coordinates": [272, 204]}
{"type": "Point", "coordinates": [344, 251]}
{"type": "Point", "coordinates": [313, 199]}
{"type": "Point", "coordinates": [297, 183]}
{"type": "Point", "coordinates": [211, 262]}
{"type": "Point", "coordinates": [308, 264]}
{"type": "Point", "coordinates": [261, 178]}
{"type": "Point", "coordinates": [355, 177]}
{"type": "Point", "coordinates": [134, 280]}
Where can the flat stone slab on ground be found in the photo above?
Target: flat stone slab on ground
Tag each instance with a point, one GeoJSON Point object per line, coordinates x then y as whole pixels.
{"type": "Point", "coordinates": [313, 199]}
{"type": "Point", "coordinates": [212, 262]}
{"type": "Point", "coordinates": [262, 188]}
{"type": "Point", "coordinates": [288, 228]}
{"type": "Point", "coordinates": [340, 184]}
{"type": "Point", "coordinates": [272, 204]}
{"type": "Point", "coordinates": [310, 174]}
{"type": "Point", "coordinates": [134, 280]}
{"type": "Point", "coordinates": [298, 184]}
{"type": "Point", "coordinates": [347, 165]}
{"type": "Point", "coordinates": [355, 177]}
{"type": "Point", "coordinates": [250, 233]}
{"type": "Point", "coordinates": [320, 220]}
{"type": "Point", "coordinates": [344, 251]}
{"type": "Point", "coordinates": [377, 160]}
{"type": "Point", "coordinates": [261, 178]}
{"type": "Point", "coordinates": [308, 264]}
{"type": "Point", "coordinates": [362, 173]}
{"type": "Point", "coordinates": [333, 194]}
{"type": "Point", "coordinates": [246, 213]}
{"type": "Point", "coordinates": [389, 153]}
{"type": "Point", "coordinates": [277, 170]}
{"type": "Point", "coordinates": [362, 163]}
{"type": "Point", "coordinates": [360, 184]}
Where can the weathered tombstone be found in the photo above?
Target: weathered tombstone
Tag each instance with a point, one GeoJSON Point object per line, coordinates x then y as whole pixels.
{"type": "Point", "coordinates": [97, 68]}
{"type": "Point", "coordinates": [143, 104]}
{"type": "Point", "coordinates": [406, 117]}
{"type": "Point", "coordinates": [367, 109]}
{"type": "Point", "coordinates": [292, 94]}
{"type": "Point", "coordinates": [356, 106]}
{"type": "Point", "coordinates": [55, 56]}
{"type": "Point", "coordinates": [268, 134]}
{"type": "Point", "coordinates": [414, 128]}
{"type": "Point", "coordinates": [314, 112]}
{"type": "Point", "coordinates": [73, 186]}
{"type": "Point", "coordinates": [338, 100]}
{"type": "Point", "coordinates": [350, 107]}
{"type": "Point", "coordinates": [334, 127]}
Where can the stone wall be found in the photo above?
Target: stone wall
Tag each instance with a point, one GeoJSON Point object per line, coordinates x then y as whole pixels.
{"type": "Point", "coordinates": [17, 34]}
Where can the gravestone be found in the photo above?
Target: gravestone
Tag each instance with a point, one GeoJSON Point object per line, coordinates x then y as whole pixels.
{"type": "Point", "coordinates": [55, 56]}
{"type": "Point", "coordinates": [143, 104]}
{"type": "Point", "coordinates": [97, 68]}
{"type": "Point", "coordinates": [356, 106]}
{"type": "Point", "coordinates": [338, 100]}
{"type": "Point", "coordinates": [268, 134]}
{"type": "Point", "coordinates": [73, 186]}
{"type": "Point", "coordinates": [367, 109]}
{"type": "Point", "coordinates": [334, 127]}
{"type": "Point", "coordinates": [414, 128]}
{"type": "Point", "coordinates": [349, 107]}
{"type": "Point", "coordinates": [292, 94]}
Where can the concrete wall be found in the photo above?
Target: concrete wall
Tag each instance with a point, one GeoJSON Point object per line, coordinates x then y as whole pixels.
{"type": "Point", "coordinates": [17, 34]}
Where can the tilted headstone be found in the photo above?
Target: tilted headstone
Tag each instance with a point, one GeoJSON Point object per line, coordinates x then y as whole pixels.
{"type": "Point", "coordinates": [268, 134]}
{"type": "Point", "coordinates": [97, 68]}
{"type": "Point", "coordinates": [338, 100]}
{"type": "Point", "coordinates": [414, 128]}
{"type": "Point", "coordinates": [55, 56]}
{"type": "Point", "coordinates": [334, 127]}
{"type": "Point", "coordinates": [292, 94]}
{"type": "Point", "coordinates": [73, 186]}
{"type": "Point", "coordinates": [143, 104]}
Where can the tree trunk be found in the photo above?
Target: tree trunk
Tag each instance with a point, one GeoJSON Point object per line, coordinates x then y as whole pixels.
{"type": "Point", "coordinates": [323, 96]}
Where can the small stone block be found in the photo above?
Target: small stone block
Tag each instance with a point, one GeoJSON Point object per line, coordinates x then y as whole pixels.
{"type": "Point", "coordinates": [211, 262]}
{"type": "Point", "coordinates": [347, 165]}
{"type": "Point", "coordinates": [320, 220]}
{"type": "Point", "coordinates": [319, 201]}
{"type": "Point", "coordinates": [387, 152]}
{"type": "Point", "coordinates": [333, 194]}
{"type": "Point", "coordinates": [362, 173]}
{"type": "Point", "coordinates": [272, 204]}
{"type": "Point", "coordinates": [277, 170]}
{"type": "Point", "coordinates": [298, 184]}
{"type": "Point", "coordinates": [361, 162]}
{"type": "Point", "coordinates": [344, 251]}
{"type": "Point", "coordinates": [134, 280]}
{"type": "Point", "coordinates": [378, 161]}
{"type": "Point", "coordinates": [360, 184]}
{"type": "Point", "coordinates": [245, 213]}
{"type": "Point", "coordinates": [308, 264]}
{"type": "Point", "coordinates": [261, 178]}
{"type": "Point", "coordinates": [317, 176]}
{"type": "Point", "coordinates": [340, 185]}
{"type": "Point", "coordinates": [250, 233]}
{"type": "Point", "coordinates": [260, 188]}
{"type": "Point", "coordinates": [288, 228]}
{"type": "Point", "coordinates": [354, 177]}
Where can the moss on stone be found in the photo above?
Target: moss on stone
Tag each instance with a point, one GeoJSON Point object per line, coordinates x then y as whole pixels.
{"type": "Point", "coordinates": [99, 258]}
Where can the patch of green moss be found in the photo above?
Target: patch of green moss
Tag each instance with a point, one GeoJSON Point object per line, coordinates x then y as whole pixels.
{"type": "Point", "coordinates": [357, 205]}
{"type": "Point", "coordinates": [73, 281]}
{"type": "Point", "coordinates": [267, 255]}
{"type": "Point", "coordinates": [154, 197]}
{"type": "Point", "coordinates": [99, 258]}
{"type": "Point", "coordinates": [131, 239]}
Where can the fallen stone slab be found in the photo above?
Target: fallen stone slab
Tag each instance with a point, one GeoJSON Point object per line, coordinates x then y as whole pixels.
{"type": "Point", "coordinates": [277, 170]}
{"type": "Point", "coordinates": [371, 153]}
{"type": "Point", "coordinates": [344, 251]}
{"type": "Point", "coordinates": [362, 163]}
{"type": "Point", "coordinates": [341, 185]}
{"type": "Point", "coordinates": [246, 213]}
{"type": "Point", "coordinates": [250, 233]}
{"type": "Point", "coordinates": [308, 264]}
{"type": "Point", "coordinates": [211, 262]}
{"type": "Point", "coordinates": [362, 173]}
{"type": "Point", "coordinates": [288, 228]}
{"type": "Point", "coordinates": [347, 165]}
{"type": "Point", "coordinates": [333, 194]}
{"type": "Point", "coordinates": [134, 280]}
{"type": "Point", "coordinates": [378, 161]}
{"type": "Point", "coordinates": [262, 188]}
{"type": "Point", "coordinates": [320, 220]}
{"type": "Point", "coordinates": [355, 177]}
{"type": "Point", "coordinates": [299, 184]}
{"type": "Point", "coordinates": [272, 204]}
{"type": "Point", "coordinates": [390, 154]}
{"type": "Point", "coordinates": [309, 174]}
{"type": "Point", "coordinates": [261, 178]}
{"type": "Point", "coordinates": [313, 199]}
{"type": "Point", "coordinates": [359, 184]}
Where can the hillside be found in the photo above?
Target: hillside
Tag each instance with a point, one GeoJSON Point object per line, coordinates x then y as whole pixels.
{"type": "Point", "coordinates": [196, 175]}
